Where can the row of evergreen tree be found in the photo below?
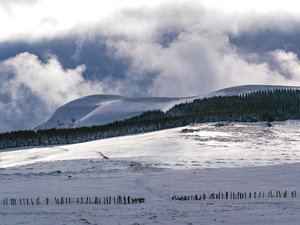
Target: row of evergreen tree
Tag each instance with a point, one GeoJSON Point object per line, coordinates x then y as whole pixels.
{"type": "Point", "coordinates": [256, 106]}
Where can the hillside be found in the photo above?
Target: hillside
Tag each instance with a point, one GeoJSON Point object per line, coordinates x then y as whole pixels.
{"type": "Point", "coordinates": [268, 105]}
{"type": "Point", "coordinates": [104, 109]}
{"type": "Point", "coordinates": [244, 89]}
{"type": "Point", "coordinates": [199, 159]}
{"type": "Point", "coordinates": [167, 148]}
{"type": "Point", "coordinates": [204, 158]}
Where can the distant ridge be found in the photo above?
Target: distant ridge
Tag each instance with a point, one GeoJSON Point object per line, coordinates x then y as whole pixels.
{"type": "Point", "coordinates": [243, 89]}
{"type": "Point", "coordinates": [102, 109]}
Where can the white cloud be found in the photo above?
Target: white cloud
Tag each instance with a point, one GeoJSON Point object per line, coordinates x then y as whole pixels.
{"type": "Point", "coordinates": [287, 63]}
{"type": "Point", "coordinates": [254, 5]}
{"type": "Point", "coordinates": [7, 4]}
{"type": "Point", "coordinates": [194, 64]}
{"type": "Point", "coordinates": [48, 81]}
{"type": "Point", "coordinates": [36, 19]}
{"type": "Point", "coordinates": [198, 59]}
{"type": "Point", "coordinates": [30, 89]}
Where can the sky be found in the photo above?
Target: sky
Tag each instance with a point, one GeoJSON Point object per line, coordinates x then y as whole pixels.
{"type": "Point", "coordinates": [54, 51]}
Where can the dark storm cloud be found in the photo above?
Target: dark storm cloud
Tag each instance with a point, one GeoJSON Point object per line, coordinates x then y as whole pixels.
{"type": "Point", "coordinates": [263, 41]}
{"type": "Point", "coordinates": [278, 48]}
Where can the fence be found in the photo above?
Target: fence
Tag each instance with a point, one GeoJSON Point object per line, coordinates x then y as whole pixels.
{"type": "Point", "coordinates": [108, 200]}
{"type": "Point", "coordinates": [237, 195]}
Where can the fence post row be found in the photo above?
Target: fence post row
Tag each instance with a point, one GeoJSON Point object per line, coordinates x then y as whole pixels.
{"type": "Point", "coordinates": [108, 200]}
{"type": "Point", "coordinates": [237, 195]}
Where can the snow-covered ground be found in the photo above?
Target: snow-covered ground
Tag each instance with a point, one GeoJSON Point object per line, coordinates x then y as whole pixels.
{"type": "Point", "coordinates": [196, 159]}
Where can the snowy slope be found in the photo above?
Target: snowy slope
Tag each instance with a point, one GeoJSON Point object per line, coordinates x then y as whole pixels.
{"type": "Point", "coordinates": [203, 158]}
{"type": "Point", "coordinates": [102, 109]}
{"type": "Point", "coordinates": [199, 146]}
{"type": "Point", "coordinates": [239, 90]}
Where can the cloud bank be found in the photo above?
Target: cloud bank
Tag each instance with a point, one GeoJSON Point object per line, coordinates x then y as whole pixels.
{"type": "Point", "coordinates": [30, 90]}
{"type": "Point", "coordinates": [176, 48]}
{"type": "Point", "coordinates": [187, 50]}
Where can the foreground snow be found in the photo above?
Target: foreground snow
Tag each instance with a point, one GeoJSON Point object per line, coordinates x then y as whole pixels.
{"type": "Point", "coordinates": [196, 159]}
{"type": "Point", "coordinates": [90, 178]}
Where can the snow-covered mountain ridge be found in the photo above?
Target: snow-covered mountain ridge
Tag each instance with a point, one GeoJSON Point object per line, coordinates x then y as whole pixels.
{"type": "Point", "coordinates": [244, 89]}
{"type": "Point", "coordinates": [103, 109]}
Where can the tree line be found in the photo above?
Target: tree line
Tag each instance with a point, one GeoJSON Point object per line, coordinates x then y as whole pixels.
{"type": "Point", "coordinates": [268, 105]}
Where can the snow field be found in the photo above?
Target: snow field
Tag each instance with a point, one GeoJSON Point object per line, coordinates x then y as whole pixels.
{"type": "Point", "coordinates": [202, 158]}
